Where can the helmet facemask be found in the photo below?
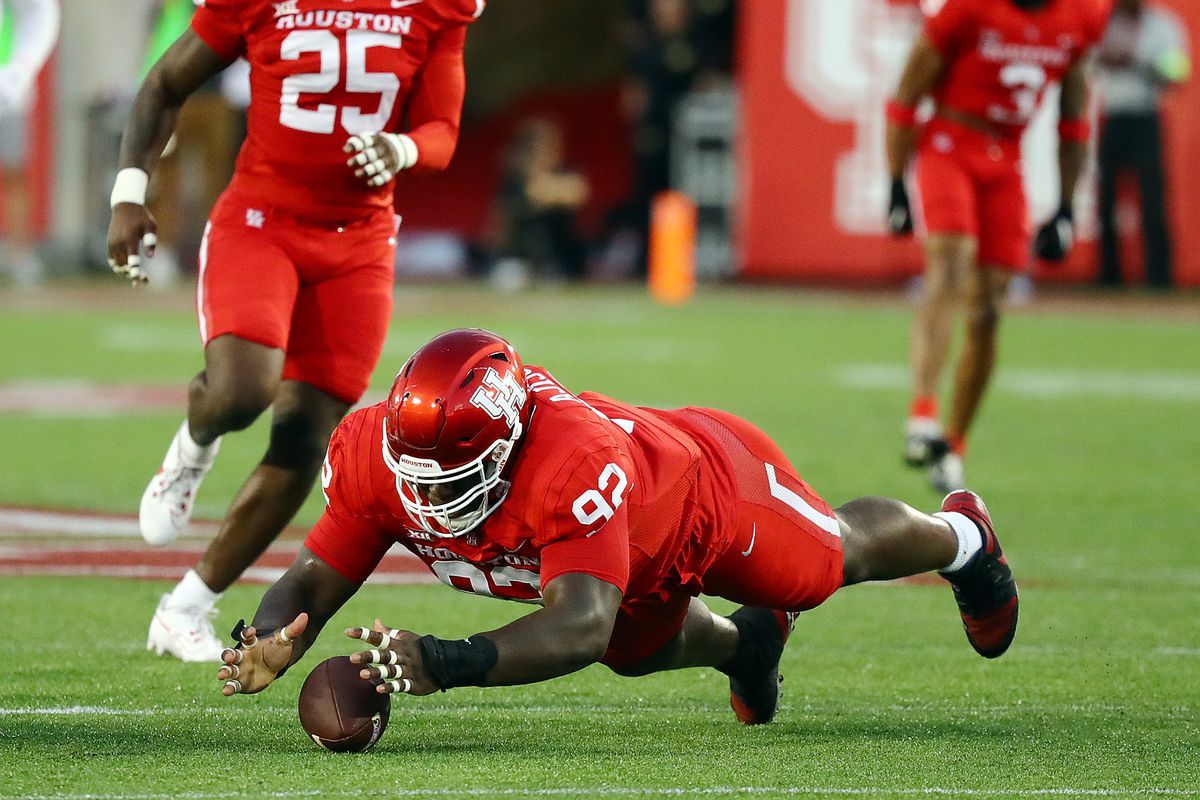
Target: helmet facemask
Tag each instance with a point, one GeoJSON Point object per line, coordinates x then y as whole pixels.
{"type": "Point", "coordinates": [447, 503]}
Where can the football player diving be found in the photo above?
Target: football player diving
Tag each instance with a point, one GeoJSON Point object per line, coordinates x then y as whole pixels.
{"type": "Point", "coordinates": [611, 519]}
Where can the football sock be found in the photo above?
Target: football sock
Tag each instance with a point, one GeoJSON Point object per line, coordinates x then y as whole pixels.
{"type": "Point", "coordinates": [191, 452]}
{"type": "Point", "coordinates": [970, 540]}
{"type": "Point", "coordinates": [958, 443]}
{"type": "Point", "coordinates": [924, 406]}
{"type": "Point", "coordinates": [192, 591]}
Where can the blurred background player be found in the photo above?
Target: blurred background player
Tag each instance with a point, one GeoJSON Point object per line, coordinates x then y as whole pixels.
{"type": "Point", "coordinates": [537, 208]}
{"type": "Point", "coordinates": [985, 66]}
{"type": "Point", "coordinates": [28, 30]}
{"type": "Point", "coordinates": [613, 518]}
{"type": "Point", "coordinates": [1144, 51]}
{"type": "Point", "coordinates": [296, 264]}
{"type": "Point", "coordinates": [197, 163]}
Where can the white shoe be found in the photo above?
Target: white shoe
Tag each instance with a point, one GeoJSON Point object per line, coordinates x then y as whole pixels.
{"type": "Point", "coordinates": [168, 501]}
{"type": "Point", "coordinates": [946, 474]}
{"type": "Point", "coordinates": [923, 441]}
{"type": "Point", "coordinates": [185, 632]}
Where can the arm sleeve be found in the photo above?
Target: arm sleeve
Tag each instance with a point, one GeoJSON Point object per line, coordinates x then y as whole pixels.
{"type": "Point", "coordinates": [603, 555]}
{"type": "Point", "coordinates": [353, 546]}
{"type": "Point", "coordinates": [35, 33]}
{"type": "Point", "coordinates": [585, 519]}
{"type": "Point", "coordinates": [435, 105]}
{"type": "Point", "coordinates": [217, 22]}
{"type": "Point", "coordinates": [947, 26]}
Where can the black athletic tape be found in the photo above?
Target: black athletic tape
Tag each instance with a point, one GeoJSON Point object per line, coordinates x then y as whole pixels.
{"type": "Point", "coordinates": [460, 662]}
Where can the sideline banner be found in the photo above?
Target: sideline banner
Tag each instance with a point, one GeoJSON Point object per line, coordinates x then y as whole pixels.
{"type": "Point", "coordinates": [815, 75]}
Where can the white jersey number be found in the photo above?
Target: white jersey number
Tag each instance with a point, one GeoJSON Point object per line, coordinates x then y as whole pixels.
{"type": "Point", "coordinates": [323, 118]}
{"type": "Point", "coordinates": [491, 583]}
{"type": "Point", "coordinates": [592, 506]}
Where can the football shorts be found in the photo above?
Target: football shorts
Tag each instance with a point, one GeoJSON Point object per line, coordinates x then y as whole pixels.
{"type": "Point", "coordinates": [319, 291]}
{"type": "Point", "coordinates": [786, 553]}
{"type": "Point", "coordinates": [970, 183]}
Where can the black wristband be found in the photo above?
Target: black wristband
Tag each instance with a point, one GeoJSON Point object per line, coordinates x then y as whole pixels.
{"type": "Point", "coordinates": [461, 662]}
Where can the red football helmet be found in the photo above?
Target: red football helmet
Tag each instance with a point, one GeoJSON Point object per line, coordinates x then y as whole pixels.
{"type": "Point", "coordinates": [454, 415]}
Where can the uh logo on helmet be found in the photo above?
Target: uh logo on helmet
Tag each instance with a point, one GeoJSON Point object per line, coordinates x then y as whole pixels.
{"type": "Point", "coordinates": [453, 418]}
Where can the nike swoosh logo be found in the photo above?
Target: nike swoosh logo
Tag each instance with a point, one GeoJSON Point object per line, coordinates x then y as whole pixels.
{"type": "Point", "coordinates": [403, 3]}
{"type": "Point", "coordinates": [753, 536]}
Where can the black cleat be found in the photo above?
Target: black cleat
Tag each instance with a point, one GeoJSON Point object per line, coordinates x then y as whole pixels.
{"type": "Point", "coordinates": [754, 670]}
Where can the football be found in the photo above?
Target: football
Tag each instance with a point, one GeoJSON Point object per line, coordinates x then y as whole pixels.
{"type": "Point", "coordinates": [339, 710]}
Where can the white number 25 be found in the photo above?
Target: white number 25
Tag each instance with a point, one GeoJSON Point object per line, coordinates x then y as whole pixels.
{"type": "Point", "coordinates": [592, 506]}
{"type": "Point", "coordinates": [324, 116]}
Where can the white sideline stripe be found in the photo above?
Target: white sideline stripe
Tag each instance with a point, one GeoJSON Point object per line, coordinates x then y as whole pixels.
{"type": "Point", "coordinates": [33, 521]}
{"type": "Point", "coordinates": [253, 575]}
{"type": "Point", "coordinates": [1045, 383]}
{"type": "Point", "coordinates": [71, 711]}
{"type": "Point", "coordinates": [663, 791]}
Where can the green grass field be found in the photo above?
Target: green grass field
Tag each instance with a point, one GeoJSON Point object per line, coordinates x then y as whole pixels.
{"type": "Point", "coordinates": [1087, 451]}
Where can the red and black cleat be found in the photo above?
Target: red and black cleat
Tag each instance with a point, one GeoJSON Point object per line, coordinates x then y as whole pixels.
{"type": "Point", "coordinates": [984, 588]}
{"type": "Point", "coordinates": [754, 670]}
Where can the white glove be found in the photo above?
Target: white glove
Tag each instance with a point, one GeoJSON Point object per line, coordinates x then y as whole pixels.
{"type": "Point", "coordinates": [16, 88]}
{"type": "Point", "coordinates": [379, 156]}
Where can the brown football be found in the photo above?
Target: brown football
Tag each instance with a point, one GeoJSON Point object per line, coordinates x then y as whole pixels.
{"type": "Point", "coordinates": [339, 710]}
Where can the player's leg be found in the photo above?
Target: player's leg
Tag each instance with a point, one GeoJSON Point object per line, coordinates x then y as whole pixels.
{"type": "Point", "coordinates": [976, 362]}
{"type": "Point", "coordinates": [303, 420]}
{"type": "Point", "coordinates": [1003, 251]}
{"type": "Point", "coordinates": [948, 211]}
{"type": "Point", "coordinates": [885, 539]}
{"type": "Point", "coordinates": [244, 317]}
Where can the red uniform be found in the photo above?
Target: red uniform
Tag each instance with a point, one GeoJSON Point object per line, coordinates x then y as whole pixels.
{"type": "Point", "coordinates": [664, 505]}
{"type": "Point", "coordinates": [999, 60]}
{"type": "Point", "coordinates": [298, 253]}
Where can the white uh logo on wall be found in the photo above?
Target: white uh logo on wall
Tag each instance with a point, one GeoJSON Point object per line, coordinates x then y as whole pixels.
{"type": "Point", "coordinates": [843, 60]}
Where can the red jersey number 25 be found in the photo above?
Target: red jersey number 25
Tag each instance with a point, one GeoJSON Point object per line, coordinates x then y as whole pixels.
{"type": "Point", "coordinates": [328, 47]}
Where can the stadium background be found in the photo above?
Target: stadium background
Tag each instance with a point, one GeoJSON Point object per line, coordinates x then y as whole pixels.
{"type": "Point", "coordinates": [793, 162]}
{"type": "Point", "coordinates": [1087, 451]}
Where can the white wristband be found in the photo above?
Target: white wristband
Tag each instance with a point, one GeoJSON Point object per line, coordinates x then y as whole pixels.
{"type": "Point", "coordinates": [406, 149]}
{"type": "Point", "coordinates": [129, 187]}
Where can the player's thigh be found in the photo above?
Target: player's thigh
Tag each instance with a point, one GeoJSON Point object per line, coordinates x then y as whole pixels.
{"type": "Point", "coordinates": [787, 549]}
{"type": "Point", "coordinates": [1004, 236]}
{"type": "Point", "coordinates": [951, 222]}
{"type": "Point", "coordinates": [340, 321]}
{"type": "Point", "coordinates": [644, 631]}
{"type": "Point", "coordinates": [247, 284]}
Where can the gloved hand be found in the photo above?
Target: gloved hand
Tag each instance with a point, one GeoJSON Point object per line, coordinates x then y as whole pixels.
{"type": "Point", "coordinates": [1054, 239]}
{"type": "Point", "coordinates": [900, 221]}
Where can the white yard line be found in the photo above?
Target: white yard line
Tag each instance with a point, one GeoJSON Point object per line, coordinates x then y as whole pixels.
{"type": "Point", "coordinates": [1045, 383]}
{"type": "Point", "coordinates": [662, 791]}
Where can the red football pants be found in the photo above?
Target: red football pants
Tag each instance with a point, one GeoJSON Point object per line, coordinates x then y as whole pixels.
{"type": "Point", "coordinates": [786, 553]}
{"type": "Point", "coordinates": [322, 292]}
{"type": "Point", "coordinates": [970, 183]}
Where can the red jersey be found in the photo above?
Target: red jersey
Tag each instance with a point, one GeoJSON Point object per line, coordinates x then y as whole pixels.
{"type": "Point", "coordinates": [640, 498]}
{"type": "Point", "coordinates": [1000, 58]}
{"type": "Point", "coordinates": [324, 70]}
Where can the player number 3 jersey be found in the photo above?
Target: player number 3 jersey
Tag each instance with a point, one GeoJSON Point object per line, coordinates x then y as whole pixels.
{"type": "Point", "coordinates": [324, 70]}
{"type": "Point", "coordinates": [1000, 58]}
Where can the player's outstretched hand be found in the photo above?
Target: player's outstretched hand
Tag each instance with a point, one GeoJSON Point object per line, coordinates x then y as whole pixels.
{"type": "Point", "coordinates": [377, 157]}
{"type": "Point", "coordinates": [252, 667]}
{"type": "Point", "coordinates": [1054, 239]}
{"type": "Point", "coordinates": [396, 660]}
{"type": "Point", "coordinates": [900, 221]}
{"type": "Point", "coordinates": [133, 229]}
